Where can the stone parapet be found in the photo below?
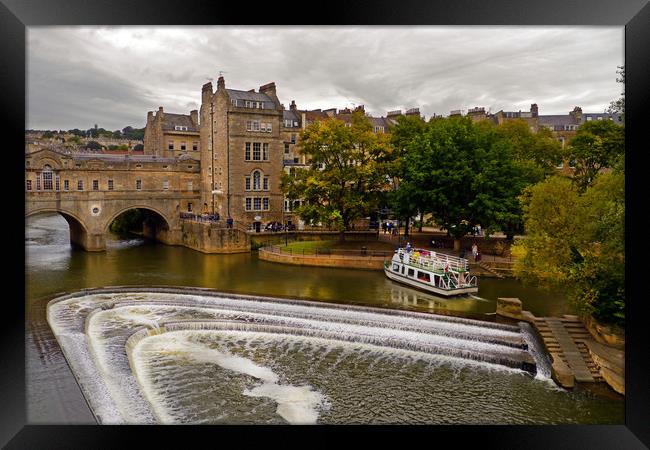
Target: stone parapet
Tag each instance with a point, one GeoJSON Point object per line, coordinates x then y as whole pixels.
{"type": "Point", "coordinates": [349, 262]}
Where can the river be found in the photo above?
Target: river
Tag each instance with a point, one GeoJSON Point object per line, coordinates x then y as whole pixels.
{"type": "Point", "coordinates": [54, 397]}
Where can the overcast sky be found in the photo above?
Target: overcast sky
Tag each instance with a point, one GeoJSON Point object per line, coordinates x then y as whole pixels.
{"type": "Point", "coordinates": [111, 76]}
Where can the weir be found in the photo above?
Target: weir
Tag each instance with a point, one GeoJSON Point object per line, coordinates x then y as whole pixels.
{"type": "Point", "coordinates": [106, 322]}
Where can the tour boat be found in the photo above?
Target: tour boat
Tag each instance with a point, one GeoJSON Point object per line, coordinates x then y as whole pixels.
{"type": "Point", "coordinates": [433, 272]}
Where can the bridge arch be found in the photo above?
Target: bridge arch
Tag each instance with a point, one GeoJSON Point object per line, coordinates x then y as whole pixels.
{"type": "Point", "coordinates": [157, 226]}
{"type": "Point", "coordinates": [78, 229]}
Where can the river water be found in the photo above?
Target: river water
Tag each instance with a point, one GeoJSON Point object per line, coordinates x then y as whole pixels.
{"type": "Point", "coordinates": [301, 374]}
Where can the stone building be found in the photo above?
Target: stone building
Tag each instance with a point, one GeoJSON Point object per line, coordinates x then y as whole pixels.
{"type": "Point", "coordinates": [169, 135]}
{"type": "Point", "coordinates": [242, 155]}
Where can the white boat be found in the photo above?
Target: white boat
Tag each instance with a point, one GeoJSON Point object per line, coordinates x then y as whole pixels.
{"type": "Point", "coordinates": [431, 271]}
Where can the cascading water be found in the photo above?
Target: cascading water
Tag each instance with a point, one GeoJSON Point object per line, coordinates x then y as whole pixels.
{"type": "Point", "coordinates": [204, 357]}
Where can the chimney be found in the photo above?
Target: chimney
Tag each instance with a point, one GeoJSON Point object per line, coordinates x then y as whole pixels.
{"type": "Point", "coordinates": [360, 108]}
{"type": "Point", "coordinates": [534, 110]}
{"type": "Point", "coordinates": [292, 106]}
{"type": "Point", "coordinates": [160, 114]}
{"type": "Point", "coordinates": [221, 84]}
{"type": "Point", "coordinates": [577, 113]}
{"type": "Point", "coordinates": [396, 113]}
{"type": "Point", "coordinates": [206, 93]}
{"type": "Point", "coordinates": [269, 89]}
{"type": "Point", "coordinates": [149, 116]}
{"type": "Point", "coordinates": [194, 115]}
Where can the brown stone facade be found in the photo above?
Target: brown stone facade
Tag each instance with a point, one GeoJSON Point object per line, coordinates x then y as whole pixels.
{"type": "Point", "coordinates": [171, 135]}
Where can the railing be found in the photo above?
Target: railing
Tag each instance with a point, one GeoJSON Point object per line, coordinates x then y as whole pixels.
{"type": "Point", "coordinates": [432, 260]}
{"type": "Point", "coordinates": [327, 252]}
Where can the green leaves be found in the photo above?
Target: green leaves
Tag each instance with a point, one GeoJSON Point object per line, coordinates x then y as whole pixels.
{"type": "Point", "coordinates": [577, 239]}
{"type": "Point", "coordinates": [348, 170]}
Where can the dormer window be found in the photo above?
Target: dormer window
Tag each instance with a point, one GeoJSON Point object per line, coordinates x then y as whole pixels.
{"type": "Point", "coordinates": [180, 128]}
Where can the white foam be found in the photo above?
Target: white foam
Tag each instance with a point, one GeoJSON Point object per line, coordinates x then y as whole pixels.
{"type": "Point", "coordinates": [298, 405]}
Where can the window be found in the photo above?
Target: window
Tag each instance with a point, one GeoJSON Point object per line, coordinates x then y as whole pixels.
{"type": "Point", "coordinates": [233, 102]}
{"type": "Point", "coordinates": [80, 185]}
{"type": "Point", "coordinates": [183, 147]}
{"type": "Point", "coordinates": [38, 181]}
{"type": "Point", "coordinates": [296, 160]}
{"type": "Point", "coordinates": [411, 272]}
{"type": "Point", "coordinates": [286, 147]}
{"type": "Point", "coordinates": [47, 178]}
{"type": "Point", "coordinates": [266, 183]}
{"type": "Point", "coordinates": [189, 207]}
{"type": "Point", "coordinates": [265, 151]}
{"type": "Point", "coordinates": [589, 118]}
{"type": "Point", "coordinates": [423, 276]}
{"type": "Point", "coordinates": [57, 181]}
{"type": "Point", "coordinates": [560, 165]}
{"type": "Point", "coordinates": [248, 104]}
{"type": "Point", "coordinates": [138, 184]}
{"type": "Point", "coordinates": [269, 128]}
{"type": "Point", "coordinates": [189, 186]}
{"type": "Point", "coordinates": [254, 125]}
{"type": "Point", "coordinates": [395, 267]}
{"type": "Point", "coordinates": [256, 151]}
{"type": "Point", "coordinates": [170, 145]}
{"type": "Point", "coordinates": [29, 185]}
{"type": "Point", "coordinates": [293, 138]}
{"type": "Point", "coordinates": [379, 129]}
{"type": "Point", "coordinates": [265, 204]}
{"type": "Point", "coordinates": [572, 163]}
{"type": "Point", "coordinates": [95, 185]}
{"type": "Point", "coordinates": [248, 183]}
{"type": "Point", "coordinates": [256, 180]}
{"type": "Point", "coordinates": [263, 127]}
{"type": "Point", "coordinates": [248, 203]}
{"type": "Point", "coordinates": [110, 185]}
{"type": "Point", "coordinates": [180, 128]}
{"type": "Point", "coordinates": [288, 123]}
{"type": "Point", "coordinates": [166, 185]}
{"type": "Point", "coordinates": [66, 185]}
{"type": "Point", "coordinates": [348, 124]}
{"type": "Point", "coordinates": [257, 204]}
{"type": "Point", "coordinates": [195, 146]}
{"type": "Point", "coordinates": [247, 153]}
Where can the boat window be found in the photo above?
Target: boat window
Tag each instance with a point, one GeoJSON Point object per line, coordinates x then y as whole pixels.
{"type": "Point", "coordinates": [423, 276]}
{"type": "Point", "coordinates": [411, 272]}
{"type": "Point", "coordinates": [395, 267]}
{"type": "Point", "coordinates": [402, 270]}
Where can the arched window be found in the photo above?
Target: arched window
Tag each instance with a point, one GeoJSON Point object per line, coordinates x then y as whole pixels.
{"type": "Point", "coordinates": [256, 181]}
{"type": "Point", "coordinates": [47, 178]}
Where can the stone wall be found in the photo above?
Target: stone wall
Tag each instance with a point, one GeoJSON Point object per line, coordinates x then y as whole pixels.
{"type": "Point", "coordinates": [207, 238]}
{"type": "Point", "coordinates": [352, 262]}
{"type": "Point", "coordinates": [276, 238]}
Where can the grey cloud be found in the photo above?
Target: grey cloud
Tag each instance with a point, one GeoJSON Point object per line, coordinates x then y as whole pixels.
{"type": "Point", "coordinates": [113, 75]}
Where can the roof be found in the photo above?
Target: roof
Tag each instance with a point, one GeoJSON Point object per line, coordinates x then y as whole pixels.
{"type": "Point", "coordinates": [559, 119]}
{"type": "Point", "coordinates": [601, 116]}
{"type": "Point", "coordinates": [290, 115]}
{"type": "Point", "coordinates": [171, 120]}
{"type": "Point", "coordinates": [235, 94]}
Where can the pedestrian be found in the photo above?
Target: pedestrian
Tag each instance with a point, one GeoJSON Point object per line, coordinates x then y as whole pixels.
{"type": "Point", "coordinates": [384, 226]}
{"type": "Point", "coordinates": [478, 255]}
{"type": "Point", "coordinates": [433, 243]}
{"type": "Point", "coordinates": [474, 250]}
{"type": "Point", "coordinates": [478, 229]}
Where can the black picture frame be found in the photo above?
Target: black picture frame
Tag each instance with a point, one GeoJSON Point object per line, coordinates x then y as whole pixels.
{"type": "Point", "coordinates": [16, 15]}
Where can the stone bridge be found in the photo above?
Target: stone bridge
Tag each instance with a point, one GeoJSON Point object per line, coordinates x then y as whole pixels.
{"type": "Point", "coordinates": [91, 190]}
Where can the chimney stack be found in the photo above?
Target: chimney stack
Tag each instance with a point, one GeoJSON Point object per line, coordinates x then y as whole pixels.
{"type": "Point", "coordinates": [194, 115]}
{"type": "Point", "coordinates": [534, 110]}
{"type": "Point", "coordinates": [292, 106]}
{"type": "Point", "coordinates": [221, 83]}
{"type": "Point", "coordinates": [269, 89]}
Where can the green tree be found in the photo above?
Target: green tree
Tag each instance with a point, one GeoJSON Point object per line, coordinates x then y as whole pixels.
{"type": "Point", "coordinates": [93, 145]}
{"type": "Point", "coordinates": [577, 240]}
{"type": "Point", "coordinates": [465, 174]}
{"type": "Point", "coordinates": [618, 106]}
{"type": "Point", "coordinates": [138, 147]}
{"type": "Point", "coordinates": [598, 144]}
{"type": "Point", "coordinates": [347, 172]}
{"type": "Point", "coordinates": [407, 201]}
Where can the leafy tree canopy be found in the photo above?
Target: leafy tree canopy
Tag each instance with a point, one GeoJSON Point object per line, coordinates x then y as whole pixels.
{"type": "Point", "coordinates": [577, 240]}
{"type": "Point", "coordinates": [597, 145]}
{"type": "Point", "coordinates": [347, 172]}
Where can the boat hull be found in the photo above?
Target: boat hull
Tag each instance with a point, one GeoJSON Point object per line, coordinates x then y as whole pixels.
{"type": "Point", "coordinates": [427, 287]}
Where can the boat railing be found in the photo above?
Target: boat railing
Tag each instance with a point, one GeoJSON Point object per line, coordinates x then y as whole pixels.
{"type": "Point", "coordinates": [432, 260]}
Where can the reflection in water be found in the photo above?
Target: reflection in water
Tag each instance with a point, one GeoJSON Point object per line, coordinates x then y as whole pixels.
{"type": "Point", "coordinates": [52, 267]}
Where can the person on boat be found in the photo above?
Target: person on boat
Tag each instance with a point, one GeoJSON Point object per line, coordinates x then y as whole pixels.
{"type": "Point", "coordinates": [408, 247]}
{"type": "Point", "coordinates": [474, 250]}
